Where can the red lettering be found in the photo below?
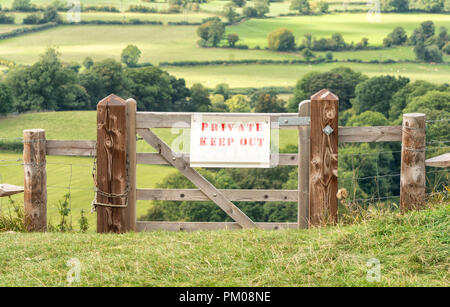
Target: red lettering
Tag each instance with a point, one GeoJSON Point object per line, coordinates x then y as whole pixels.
{"type": "Point", "coordinates": [258, 127]}
{"type": "Point", "coordinates": [221, 141]}
{"type": "Point", "coordinates": [204, 126]}
{"type": "Point", "coordinates": [202, 141]}
{"type": "Point", "coordinates": [241, 127]}
{"type": "Point", "coordinates": [250, 126]}
{"type": "Point", "coordinates": [214, 127]}
{"type": "Point", "coordinates": [243, 141]}
{"type": "Point", "coordinates": [230, 141]}
{"type": "Point", "coordinates": [213, 141]}
{"type": "Point", "coordinates": [260, 142]}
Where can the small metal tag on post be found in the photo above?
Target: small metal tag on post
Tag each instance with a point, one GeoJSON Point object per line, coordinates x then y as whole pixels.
{"type": "Point", "coordinates": [294, 121]}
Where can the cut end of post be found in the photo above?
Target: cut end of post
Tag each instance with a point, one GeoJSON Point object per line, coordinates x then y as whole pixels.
{"type": "Point", "coordinates": [38, 130]}
{"type": "Point", "coordinates": [112, 100]}
{"type": "Point", "coordinates": [324, 94]}
{"type": "Point", "coordinates": [414, 115]}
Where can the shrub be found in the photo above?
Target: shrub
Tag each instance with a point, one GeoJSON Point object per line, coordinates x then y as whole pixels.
{"type": "Point", "coordinates": [446, 48]}
{"type": "Point", "coordinates": [250, 12]}
{"type": "Point", "coordinates": [6, 19]}
{"type": "Point", "coordinates": [142, 8]}
{"type": "Point", "coordinates": [232, 39]}
{"type": "Point", "coordinates": [281, 40]}
{"type": "Point", "coordinates": [32, 19]}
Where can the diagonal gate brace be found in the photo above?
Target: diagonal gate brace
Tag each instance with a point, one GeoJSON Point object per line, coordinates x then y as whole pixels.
{"type": "Point", "coordinates": [197, 179]}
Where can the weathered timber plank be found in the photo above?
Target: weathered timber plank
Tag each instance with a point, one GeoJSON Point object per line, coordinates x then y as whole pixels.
{"type": "Point", "coordinates": [232, 195]}
{"type": "Point", "coordinates": [303, 167]}
{"type": "Point", "coordinates": [70, 148]}
{"type": "Point", "coordinates": [412, 170]}
{"type": "Point", "coordinates": [9, 189]}
{"type": "Point", "coordinates": [155, 158]}
{"type": "Point", "coordinates": [111, 163]}
{"type": "Point", "coordinates": [439, 161]}
{"type": "Point", "coordinates": [198, 180]}
{"type": "Point", "coordinates": [193, 226]}
{"type": "Point", "coordinates": [370, 134]}
{"type": "Point", "coordinates": [323, 166]}
{"type": "Point", "coordinates": [130, 210]}
{"type": "Point", "coordinates": [35, 180]}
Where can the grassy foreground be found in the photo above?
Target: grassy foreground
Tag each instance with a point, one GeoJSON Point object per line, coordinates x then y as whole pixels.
{"type": "Point", "coordinates": [413, 250]}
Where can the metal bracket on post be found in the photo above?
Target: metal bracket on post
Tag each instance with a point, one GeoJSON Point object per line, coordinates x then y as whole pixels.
{"type": "Point", "coordinates": [294, 121]}
{"type": "Point", "coordinates": [328, 130]}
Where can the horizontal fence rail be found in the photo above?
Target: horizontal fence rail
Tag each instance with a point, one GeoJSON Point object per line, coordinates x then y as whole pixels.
{"type": "Point", "coordinates": [193, 226]}
{"type": "Point", "coordinates": [231, 194]}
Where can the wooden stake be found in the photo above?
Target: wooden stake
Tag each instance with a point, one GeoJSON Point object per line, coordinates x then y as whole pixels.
{"type": "Point", "coordinates": [35, 180]}
{"type": "Point", "coordinates": [303, 167]}
{"type": "Point", "coordinates": [112, 164]}
{"type": "Point", "coordinates": [131, 143]}
{"type": "Point", "coordinates": [323, 166]}
{"type": "Point", "coordinates": [412, 178]}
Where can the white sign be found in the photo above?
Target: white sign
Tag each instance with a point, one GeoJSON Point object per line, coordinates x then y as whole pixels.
{"type": "Point", "coordinates": [230, 141]}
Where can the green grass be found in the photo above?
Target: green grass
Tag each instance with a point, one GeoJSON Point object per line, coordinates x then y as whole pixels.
{"type": "Point", "coordinates": [287, 75]}
{"type": "Point", "coordinates": [352, 26]}
{"type": "Point", "coordinates": [413, 250]}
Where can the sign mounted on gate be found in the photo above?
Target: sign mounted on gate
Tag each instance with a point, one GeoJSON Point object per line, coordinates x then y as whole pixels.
{"type": "Point", "coordinates": [230, 141]}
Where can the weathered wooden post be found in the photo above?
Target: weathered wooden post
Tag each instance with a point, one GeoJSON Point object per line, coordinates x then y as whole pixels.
{"type": "Point", "coordinates": [323, 166]}
{"type": "Point", "coordinates": [35, 180]}
{"type": "Point", "coordinates": [131, 150]}
{"type": "Point", "coordinates": [114, 187]}
{"type": "Point", "coordinates": [412, 178]}
{"type": "Point", "coordinates": [303, 167]}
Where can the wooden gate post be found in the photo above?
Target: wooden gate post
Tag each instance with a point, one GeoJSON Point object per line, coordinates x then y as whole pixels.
{"type": "Point", "coordinates": [131, 149]}
{"type": "Point", "coordinates": [303, 167]}
{"type": "Point", "coordinates": [412, 178]}
{"type": "Point", "coordinates": [113, 203]}
{"type": "Point", "coordinates": [323, 166]}
{"type": "Point", "coordinates": [35, 180]}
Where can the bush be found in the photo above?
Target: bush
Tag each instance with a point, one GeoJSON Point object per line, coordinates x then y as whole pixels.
{"type": "Point", "coordinates": [32, 19]}
{"type": "Point", "coordinates": [142, 9]}
{"type": "Point", "coordinates": [446, 48]}
{"type": "Point", "coordinates": [103, 8]}
{"type": "Point", "coordinates": [250, 12]}
{"type": "Point", "coordinates": [6, 19]}
{"type": "Point", "coordinates": [281, 40]}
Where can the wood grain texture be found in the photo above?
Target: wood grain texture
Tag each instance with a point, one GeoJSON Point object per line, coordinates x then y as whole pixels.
{"type": "Point", "coordinates": [35, 180]}
{"type": "Point", "coordinates": [439, 161]}
{"type": "Point", "coordinates": [303, 167]}
{"type": "Point", "coordinates": [71, 148]}
{"type": "Point", "coordinates": [155, 158]}
{"type": "Point", "coordinates": [111, 163]}
{"type": "Point", "coordinates": [198, 180]}
{"type": "Point", "coordinates": [9, 189]}
{"type": "Point", "coordinates": [370, 134]}
{"type": "Point", "coordinates": [412, 173]}
{"type": "Point", "coordinates": [232, 195]}
{"type": "Point", "coordinates": [130, 211]}
{"type": "Point", "coordinates": [194, 226]}
{"type": "Point", "coordinates": [323, 166]}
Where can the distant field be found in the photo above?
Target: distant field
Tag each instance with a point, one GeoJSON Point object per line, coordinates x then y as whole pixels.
{"type": "Point", "coordinates": [353, 26]}
{"type": "Point", "coordinates": [8, 28]}
{"type": "Point", "coordinates": [126, 16]}
{"type": "Point", "coordinates": [287, 75]}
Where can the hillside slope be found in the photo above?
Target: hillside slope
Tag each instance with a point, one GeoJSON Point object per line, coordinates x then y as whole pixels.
{"type": "Point", "coordinates": [413, 250]}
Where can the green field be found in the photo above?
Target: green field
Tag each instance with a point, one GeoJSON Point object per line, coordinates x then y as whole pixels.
{"type": "Point", "coordinates": [287, 75]}
{"type": "Point", "coordinates": [353, 26]}
{"type": "Point", "coordinates": [412, 251]}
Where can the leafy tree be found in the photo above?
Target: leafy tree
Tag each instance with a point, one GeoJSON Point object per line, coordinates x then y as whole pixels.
{"type": "Point", "coordinates": [130, 55]}
{"type": "Point", "coordinates": [396, 37]}
{"type": "Point", "coordinates": [442, 38]}
{"type": "Point", "coordinates": [238, 103]}
{"type": "Point", "coordinates": [104, 78]}
{"type": "Point", "coordinates": [218, 104]}
{"type": "Point", "coordinates": [51, 15]}
{"type": "Point", "coordinates": [239, 3]}
{"type": "Point", "coordinates": [281, 40]}
{"type": "Point", "coordinates": [341, 80]}
{"type": "Point", "coordinates": [262, 7]}
{"type": "Point", "coordinates": [302, 6]}
{"type": "Point", "coordinates": [199, 101]}
{"type": "Point", "coordinates": [6, 99]}
{"type": "Point", "coordinates": [323, 7]}
{"type": "Point", "coordinates": [32, 19]}
{"type": "Point", "coordinates": [307, 54]}
{"type": "Point", "coordinates": [268, 102]}
{"type": "Point", "coordinates": [88, 62]}
{"type": "Point", "coordinates": [368, 118]}
{"type": "Point", "coordinates": [446, 48]}
{"type": "Point", "coordinates": [211, 31]}
{"type": "Point", "coordinates": [401, 98]}
{"type": "Point", "coordinates": [232, 39]}
{"type": "Point", "coordinates": [6, 19]}
{"type": "Point", "coordinates": [46, 85]}
{"type": "Point", "coordinates": [230, 13]}
{"type": "Point", "coordinates": [375, 94]}
{"type": "Point", "coordinates": [22, 5]}
{"type": "Point", "coordinates": [395, 5]}
{"type": "Point", "coordinates": [250, 12]}
{"type": "Point", "coordinates": [222, 89]}
{"type": "Point", "coordinates": [434, 6]}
